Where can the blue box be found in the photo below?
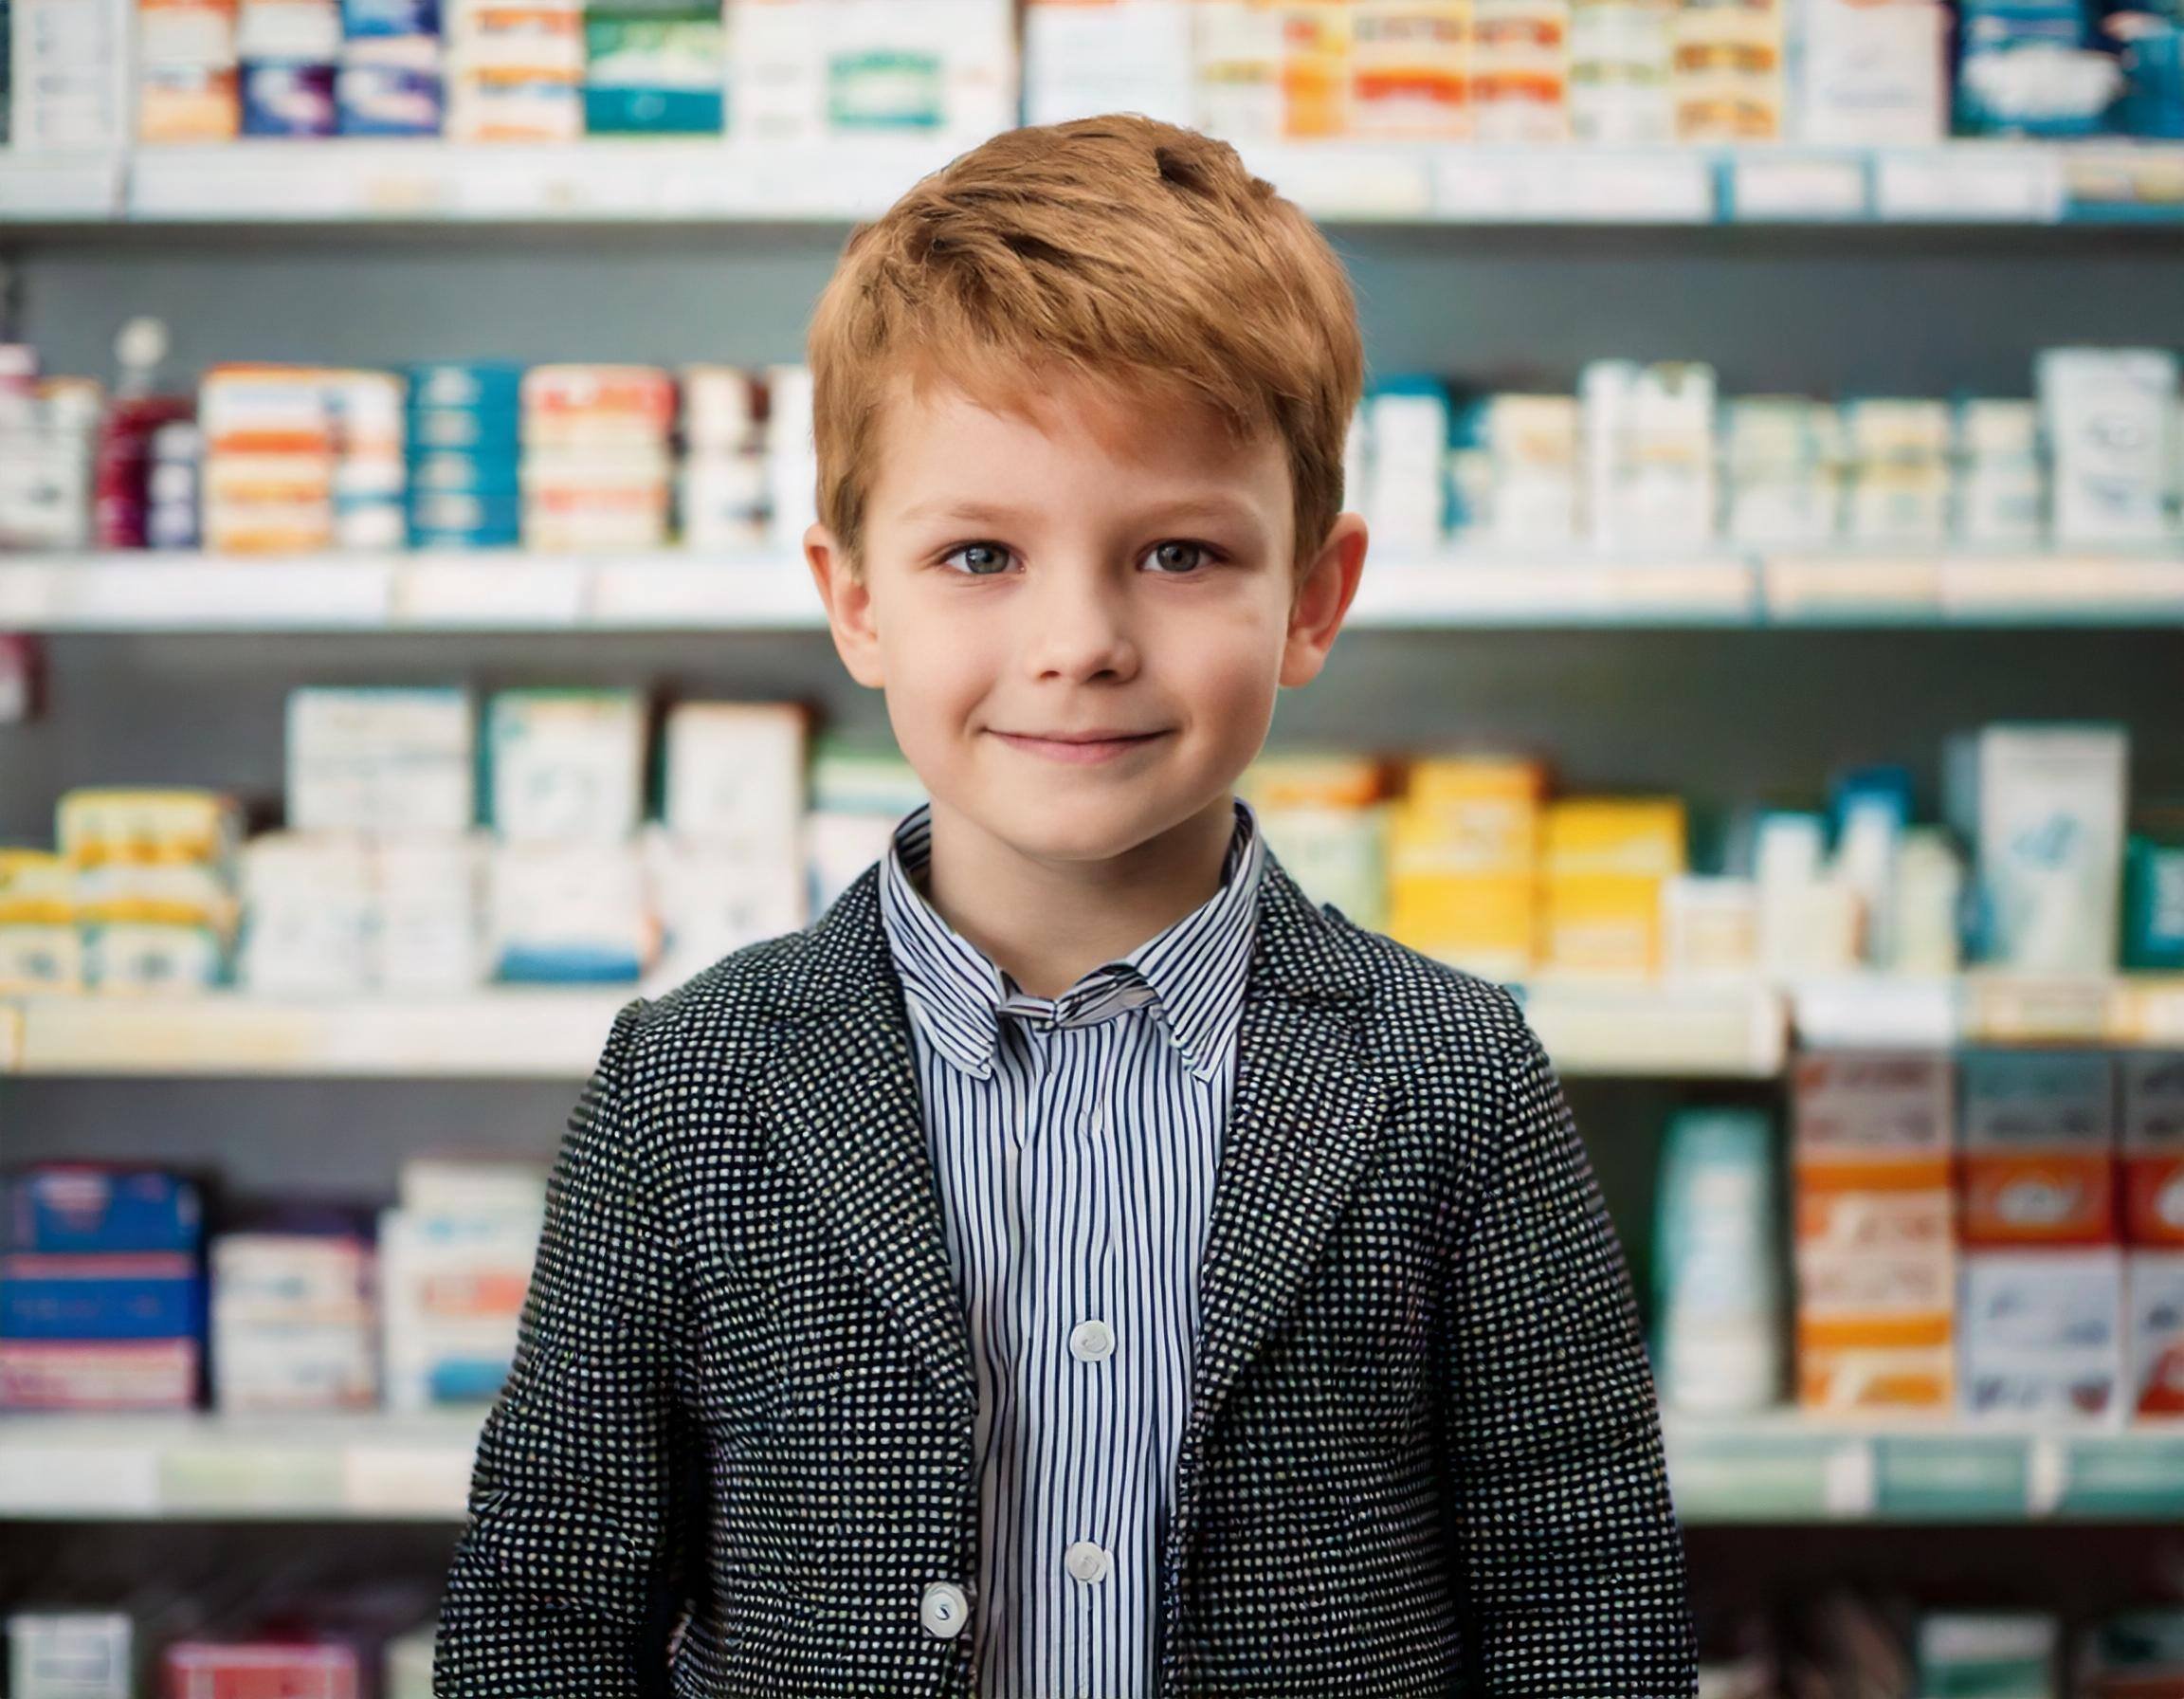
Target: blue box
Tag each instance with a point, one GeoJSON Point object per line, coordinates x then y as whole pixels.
{"type": "Point", "coordinates": [468, 384]}
{"type": "Point", "coordinates": [364, 18]}
{"type": "Point", "coordinates": [101, 1207]}
{"type": "Point", "coordinates": [465, 430]}
{"type": "Point", "coordinates": [153, 1295]}
{"type": "Point", "coordinates": [283, 98]}
{"type": "Point", "coordinates": [454, 510]}
{"type": "Point", "coordinates": [388, 99]}
{"type": "Point", "coordinates": [457, 472]}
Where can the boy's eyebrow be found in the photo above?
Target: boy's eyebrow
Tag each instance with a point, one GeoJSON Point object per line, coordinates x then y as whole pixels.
{"type": "Point", "coordinates": [1207, 506]}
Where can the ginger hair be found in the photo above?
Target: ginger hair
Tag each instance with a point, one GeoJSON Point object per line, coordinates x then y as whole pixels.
{"type": "Point", "coordinates": [1138, 256]}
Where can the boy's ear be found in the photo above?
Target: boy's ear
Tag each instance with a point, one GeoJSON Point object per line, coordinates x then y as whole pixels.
{"type": "Point", "coordinates": [848, 603]}
{"type": "Point", "coordinates": [1323, 594]}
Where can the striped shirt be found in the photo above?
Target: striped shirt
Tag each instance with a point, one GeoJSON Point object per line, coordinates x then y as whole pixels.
{"type": "Point", "coordinates": [1075, 1148]}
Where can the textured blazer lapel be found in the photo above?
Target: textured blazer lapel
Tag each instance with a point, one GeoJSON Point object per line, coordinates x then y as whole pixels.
{"type": "Point", "coordinates": [843, 1091]}
{"type": "Point", "coordinates": [1306, 1116]}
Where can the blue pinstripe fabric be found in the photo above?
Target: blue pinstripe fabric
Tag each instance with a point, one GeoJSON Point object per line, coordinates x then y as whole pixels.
{"type": "Point", "coordinates": [1075, 1140]}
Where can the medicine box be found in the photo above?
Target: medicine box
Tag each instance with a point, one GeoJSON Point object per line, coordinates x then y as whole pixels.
{"type": "Point", "coordinates": [2042, 1336]}
{"type": "Point", "coordinates": [96, 1208]}
{"type": "Point", "coordinates": [2039, 1148]}
{"type": "Point", "coordinates": [1872, 1137]}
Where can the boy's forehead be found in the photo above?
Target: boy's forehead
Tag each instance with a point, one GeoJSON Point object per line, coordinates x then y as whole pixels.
{"type": "Point", "coordinates": [932, 417]}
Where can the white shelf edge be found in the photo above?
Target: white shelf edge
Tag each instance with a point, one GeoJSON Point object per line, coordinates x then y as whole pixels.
{"type": "Point", "coordinates": [370, 1466]}
{"type": "Point", "coordinates": [1644, 1028]}
{"type": "Point", "coordinates": [1465, 588]}
{"type": "Point", "coordinates": [729, 179]}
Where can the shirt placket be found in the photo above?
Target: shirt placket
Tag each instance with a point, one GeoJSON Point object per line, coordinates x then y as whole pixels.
{"type": "Point", "coordinates": [1068, 1372]}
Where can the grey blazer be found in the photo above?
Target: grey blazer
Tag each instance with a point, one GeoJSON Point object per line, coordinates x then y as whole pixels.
{"type": "Point", "coordinates": [732, 1456]}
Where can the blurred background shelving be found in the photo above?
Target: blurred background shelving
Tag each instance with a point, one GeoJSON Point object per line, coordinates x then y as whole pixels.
{"type": "Point", "coordinates": [1755, 253]}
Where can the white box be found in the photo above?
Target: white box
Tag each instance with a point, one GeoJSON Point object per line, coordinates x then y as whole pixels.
{"type": "Point", "coordinates": [1084, 58]}
{"type": "Point", "coordinates": [429, 912]}
{"type": "Point", "coordinates": [2045, 808]}
{"type": "Point", "coordinates": [69, 62]}
{"type": "Point", "coordinates": [711, 901]}
{"type": "Point", "coordinates": [2108, 413]}
{"type": "Point", "coordinates": [2042, 1335]}
{"type": "Point", "coordinates": [1873, 75]}
{"type": "Point", "coordinates": [1650, 453]}
{"type": "Point", "coordinates": [70, 1654]}
{"type": "Point", "coordinates": [306, 914]}
{"type": "Point", "coordinates": [570, 913]}
{"type": "Point", "coordinates": [453, 1289]}
{"type": "Point", "coordinates": [381, 759]}
{"type": "Point", "coordinates": [734, 775]}
{"type": "Point", "coordinates": [566, 765]}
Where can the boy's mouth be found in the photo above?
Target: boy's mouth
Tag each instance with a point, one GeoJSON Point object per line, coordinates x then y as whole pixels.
{"type": "Point", "coordinates": [1079, 747]}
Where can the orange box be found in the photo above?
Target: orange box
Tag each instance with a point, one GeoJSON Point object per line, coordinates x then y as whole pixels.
{"type": "Point", "coordinates": [2039, 1158]}
{"type": "Point", "coordinates": [1875, 1218]}
{"type": "Point", "coordinates": [2058, 1198]}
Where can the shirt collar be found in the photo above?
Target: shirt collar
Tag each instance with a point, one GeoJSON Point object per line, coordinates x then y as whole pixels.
{"type": "Point", "coordinates": [1191, 971]}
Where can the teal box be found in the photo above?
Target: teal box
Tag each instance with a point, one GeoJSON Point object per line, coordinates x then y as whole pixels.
{"type": "Point", "coordinates": [653, 112]}
{"type": "Point", "coordinates": [2154, 903]}
{"type": "Point", "coordinates": [490, 384]}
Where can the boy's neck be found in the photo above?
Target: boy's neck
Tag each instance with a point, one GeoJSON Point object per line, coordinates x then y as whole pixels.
{"type": "Point", "coordinates": [1046, 925]}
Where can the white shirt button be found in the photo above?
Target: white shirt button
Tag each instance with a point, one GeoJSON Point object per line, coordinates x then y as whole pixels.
{"type": "Point", "coordinates": [1092, 1341]}
{"type": "Point", "coordinates": [1086, 1561]}
{"type": "Point", "coordinates": [945, 1609]}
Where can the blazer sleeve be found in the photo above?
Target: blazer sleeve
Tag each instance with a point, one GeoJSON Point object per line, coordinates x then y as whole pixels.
{"type": "Point", "coordinates": [571, 1556]}
{"type": "Point", "coordinates": [1570, 1565]}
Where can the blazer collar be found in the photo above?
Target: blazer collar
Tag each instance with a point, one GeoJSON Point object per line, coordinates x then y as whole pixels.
{"type": "Point", "coordinates": [1194, 967]}
{"type": "Point", "coordinates": [840, 1087]}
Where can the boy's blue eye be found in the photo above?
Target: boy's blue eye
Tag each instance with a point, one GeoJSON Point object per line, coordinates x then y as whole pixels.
{"type": "Point", "coordinates": [1174, 557]}
{"type": "Point", "coordinates": [998, 554]}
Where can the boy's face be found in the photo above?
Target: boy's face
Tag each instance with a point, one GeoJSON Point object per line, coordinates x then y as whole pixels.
{"type": "Point", "coordinates": [1110, 568]}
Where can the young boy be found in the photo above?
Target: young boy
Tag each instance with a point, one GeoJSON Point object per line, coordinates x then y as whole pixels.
{"type": "Point", "coordinates": [1076, 1266]}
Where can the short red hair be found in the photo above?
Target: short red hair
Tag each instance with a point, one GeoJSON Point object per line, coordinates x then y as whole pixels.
{"type": "Point", "coordinates": [1136, 255]}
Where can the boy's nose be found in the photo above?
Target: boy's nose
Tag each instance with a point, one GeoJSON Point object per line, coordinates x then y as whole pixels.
{"type": "Point", "coordinates": [1078, 627]}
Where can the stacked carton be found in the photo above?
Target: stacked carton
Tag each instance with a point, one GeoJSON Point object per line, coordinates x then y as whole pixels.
{"type": "Point", "coordinates": [2042, 1269]}
{"type": "Point", "coordinates": [1876, 1257]}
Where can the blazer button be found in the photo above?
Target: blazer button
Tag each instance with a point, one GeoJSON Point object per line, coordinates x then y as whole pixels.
{"type": "Point", "coordinates": [945, 1609]}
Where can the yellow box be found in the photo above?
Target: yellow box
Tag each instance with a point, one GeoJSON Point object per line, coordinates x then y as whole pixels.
{"type": "Point", "coordinates": [1604, 924]}
{"type": "Point", "coordinates": [99, 827]}
{"type": "Point", "coordinates": [1478, 815]}
{"type": "Point", "coordinates": [1485, 923]}
{"type": "Point", "coordinates": [1636, 836]}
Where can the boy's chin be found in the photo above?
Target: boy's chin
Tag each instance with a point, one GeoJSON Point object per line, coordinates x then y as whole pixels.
{"type": "Point", "coordinates": [1090, 826]}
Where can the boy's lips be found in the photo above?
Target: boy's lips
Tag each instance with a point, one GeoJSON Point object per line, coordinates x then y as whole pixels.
{"type": "Point", "coordinates": [1079, 748]}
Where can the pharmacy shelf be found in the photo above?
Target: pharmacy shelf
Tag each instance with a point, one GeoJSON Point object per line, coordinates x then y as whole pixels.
{"type": "Point", "coordinates": [1658, 1029]}
{"type": "Point", "coordinates": [59, 186]}
{"type": "Point", "coordinates": [1773, 1469]}
{"type": "Point", "coordinates": [1624, 1028]}
{"type": "Point", "coordinates": [58, 1466]}
{"type": "Point", "coordinates": [602, 181]}
{"type": "Point", "coordinates": [511, 1034]}
{"type": "Point", "coordinates": [725, 181]}
{"type": "Point", "coordinates": [1786, 1469]}
{"type": "Point", "coordinates": [1919, 589]}
{"type": "Point", "coordinates": [1473, 589]}
{"type": "Point", "coordinates": [1989, 1007]}
{"type": "Point", "coordinates": [501, 590]}
{"type": "Point", "coordinates": [541, 1033]}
